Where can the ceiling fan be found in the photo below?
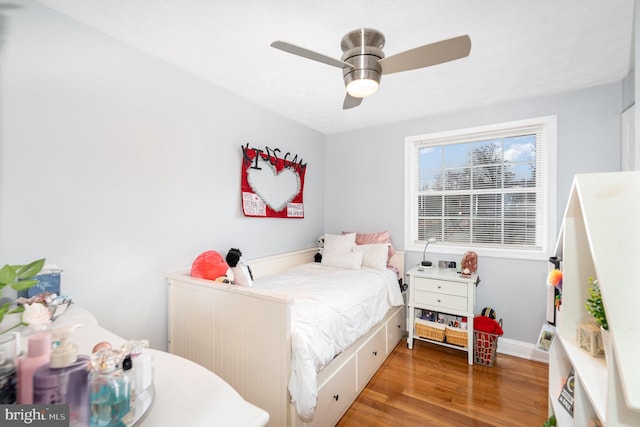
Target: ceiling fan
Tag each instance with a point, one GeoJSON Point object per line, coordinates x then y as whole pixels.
{"type": "Point", "coordinates": [363, 62]}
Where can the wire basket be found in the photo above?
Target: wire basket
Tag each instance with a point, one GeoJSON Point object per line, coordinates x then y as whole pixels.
{"type": "Point", "coordinates": [484, 348]}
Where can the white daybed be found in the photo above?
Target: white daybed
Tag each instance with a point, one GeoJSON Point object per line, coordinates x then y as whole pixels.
{"type": "Point", "coordinates": [245, 338]}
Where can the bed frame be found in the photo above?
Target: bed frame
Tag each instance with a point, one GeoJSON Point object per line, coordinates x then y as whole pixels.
{"type": "Point", "coordinates": [245, 338]}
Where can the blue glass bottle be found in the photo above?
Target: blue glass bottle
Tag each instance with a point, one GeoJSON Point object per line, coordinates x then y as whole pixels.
{"type": "Point", "coordinates": [110, 389]}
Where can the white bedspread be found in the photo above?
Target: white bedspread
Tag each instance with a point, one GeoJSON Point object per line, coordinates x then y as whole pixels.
{"type": "Point", "coordinates": [332, 308]}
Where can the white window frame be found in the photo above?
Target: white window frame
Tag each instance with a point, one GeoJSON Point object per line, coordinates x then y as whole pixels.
{"type": "Point", "coordinates": [549, 160]}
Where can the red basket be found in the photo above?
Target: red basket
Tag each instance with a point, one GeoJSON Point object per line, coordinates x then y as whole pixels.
{"type": "Point", "coordinates": [484, 348]}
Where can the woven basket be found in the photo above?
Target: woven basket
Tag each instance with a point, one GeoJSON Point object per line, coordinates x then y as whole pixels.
{"type": "Point", "coordinates": [430, 330]}
{"type": "Point", "coordinates": [484, 348]}
{"type": "Point", "coordinates": [456, 336]}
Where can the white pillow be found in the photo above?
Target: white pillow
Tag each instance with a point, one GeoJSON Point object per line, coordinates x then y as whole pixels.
{"type": "Point", "coordinates": [339, 243]}
{"type": "Point", "coordinates": [374, 255]}
{"type": "Point", "coordinates": [338, 251]}
{"type": "Point", "coordinates": [348, 260]}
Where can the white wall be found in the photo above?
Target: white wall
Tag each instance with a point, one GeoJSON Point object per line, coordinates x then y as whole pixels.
{"type": "Point", "coordinates": [119, 168]}
{"type": "Point", "coordinates": [635, 56]}
{"type": "Point", "coordinates": [365, 173]}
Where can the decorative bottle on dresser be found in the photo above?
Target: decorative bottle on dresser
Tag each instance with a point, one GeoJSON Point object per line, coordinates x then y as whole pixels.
{"type": "Point", "coordinates": [65, 379]}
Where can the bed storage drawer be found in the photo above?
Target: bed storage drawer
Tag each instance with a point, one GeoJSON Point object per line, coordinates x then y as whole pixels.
{"type": "Point", "coordinates": [336, 395]}
{"type": "Point", "coordinates": [370, 356]}
{"type": "Point", "coordinates": [396, 327]}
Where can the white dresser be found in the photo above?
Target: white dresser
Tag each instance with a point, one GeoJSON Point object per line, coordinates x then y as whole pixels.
{"type": "Point", "coordinates": [441, 291]}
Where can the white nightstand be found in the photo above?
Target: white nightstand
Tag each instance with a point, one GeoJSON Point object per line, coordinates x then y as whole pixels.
{"type": "Point", "coordinates": [441, 291]}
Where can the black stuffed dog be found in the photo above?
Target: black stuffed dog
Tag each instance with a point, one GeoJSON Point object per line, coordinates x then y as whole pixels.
{"type": "Point", "coordinates": [242, 275]}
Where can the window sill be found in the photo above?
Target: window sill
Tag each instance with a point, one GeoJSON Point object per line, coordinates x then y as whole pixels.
{"type": "Point", "coordinates": [538, 255]}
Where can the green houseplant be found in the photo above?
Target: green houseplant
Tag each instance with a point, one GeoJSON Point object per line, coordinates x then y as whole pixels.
{"type": "Point", "coordinates": [19, 277]}
{"type": "Point", "coordinates": [594, 304]}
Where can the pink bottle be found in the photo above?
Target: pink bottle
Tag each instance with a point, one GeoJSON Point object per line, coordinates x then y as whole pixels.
{"type": "Point", "coordinates": [39, 352]}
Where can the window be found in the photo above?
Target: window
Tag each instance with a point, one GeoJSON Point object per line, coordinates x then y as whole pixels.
{"type": "Point", "coordinates": [489, 189]}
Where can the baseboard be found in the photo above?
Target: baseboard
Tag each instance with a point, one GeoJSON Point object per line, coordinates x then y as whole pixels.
{"type": "Point", "coordinates": [521, 349]}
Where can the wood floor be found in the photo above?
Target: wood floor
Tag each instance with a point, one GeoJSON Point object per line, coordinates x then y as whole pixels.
{"type": "Point", "coordinates": [433, 385]}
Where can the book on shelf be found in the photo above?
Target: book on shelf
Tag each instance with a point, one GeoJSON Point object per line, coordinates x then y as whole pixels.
{"type": "Point", "coordinates": [566, 397]}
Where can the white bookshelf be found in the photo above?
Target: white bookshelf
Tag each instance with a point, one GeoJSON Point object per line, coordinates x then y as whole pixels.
{"type": "Point", "coordinates": [600, 237]}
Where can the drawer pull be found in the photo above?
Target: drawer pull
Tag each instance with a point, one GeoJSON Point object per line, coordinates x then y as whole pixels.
{"type": "Point", "coordinates": [399, 326]}
{"type": "Point", "coordinates": [439, 300]}
{"type": "Point", "coordinates": [375, 353]}
{"type": "Point", "coordinates": [439, 286]}
{"type": "Point", "coordinates": [336, 397]}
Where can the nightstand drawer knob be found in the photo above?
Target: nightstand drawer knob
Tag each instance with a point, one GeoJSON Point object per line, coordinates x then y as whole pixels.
{"type": "Point", "coordinates": [375, 353]}
{"type": "Point", "coordinates": [439, 300]}
{"type": "Point", "coordinates": [336, 397]}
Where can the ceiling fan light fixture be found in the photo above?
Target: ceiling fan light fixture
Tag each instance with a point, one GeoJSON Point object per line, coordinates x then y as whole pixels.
{"type": "Point", "coordinates": [363, 62]}
{"type": "Point", "coordinates": [361, 88]}
{"type": "Point", "coordinates": [362, 82]}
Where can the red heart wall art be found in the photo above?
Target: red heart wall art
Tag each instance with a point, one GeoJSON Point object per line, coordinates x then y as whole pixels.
{"type": "Point", "coordinates": [272, 185]}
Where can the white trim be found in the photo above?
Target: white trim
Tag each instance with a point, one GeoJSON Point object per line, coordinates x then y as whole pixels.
{"type": "Point", "coordinates": [521, 349]}
{"type": "Point", "coordinates": [549, 185]}
{"type": "Point", "coordinates": [629, 151]}
{"type": "Point", "coordinates": [273, 264]}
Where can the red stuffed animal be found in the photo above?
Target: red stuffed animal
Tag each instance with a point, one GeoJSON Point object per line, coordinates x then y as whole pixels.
{"type": "Point", "coordinates": [211, 266]}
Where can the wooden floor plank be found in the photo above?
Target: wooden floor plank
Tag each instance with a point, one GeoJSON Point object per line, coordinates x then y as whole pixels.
{"type": "Point", "coordinates": [434, 386]}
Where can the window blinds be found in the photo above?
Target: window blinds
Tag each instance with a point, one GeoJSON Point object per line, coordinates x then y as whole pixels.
{"type": "Point", "coordinates": [481, 188]}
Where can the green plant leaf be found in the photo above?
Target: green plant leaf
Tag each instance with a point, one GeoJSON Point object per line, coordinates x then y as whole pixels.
{"type": "Point", "coordinates": [4, 308]}
{"type": "Point", "coordinates": [18, 309]}
{"type": "Point", "coordinates": [30, 270]}
{"type": "Point", "coordinates": [23, 284]}
{"type": "Point", "coordinates": [20, 277]}
{"type": "Point", "coordinates": [595, 305]}
{"type": "Point", "coordinates": [8, 274]}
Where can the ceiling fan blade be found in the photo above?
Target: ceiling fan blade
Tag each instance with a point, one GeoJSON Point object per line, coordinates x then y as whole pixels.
{"type": "Point", "coordinates": [427, 55]}
{"type": "Point", "coordinates": [350, 102]}
{"type": "Point", "coordinates": [309, 54]}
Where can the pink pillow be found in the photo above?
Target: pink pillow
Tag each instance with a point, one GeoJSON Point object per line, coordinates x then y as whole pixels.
{"type": "Point", "coordinates": [373, 238]}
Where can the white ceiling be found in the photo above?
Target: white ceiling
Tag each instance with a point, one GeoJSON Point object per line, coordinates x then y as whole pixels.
{"type": "Point", "coordinates": [520, 49]}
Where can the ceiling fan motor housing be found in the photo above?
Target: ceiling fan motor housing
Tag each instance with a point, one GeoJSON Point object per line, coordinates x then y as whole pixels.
{"type": "Point", "coordinates": [363, 49]}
